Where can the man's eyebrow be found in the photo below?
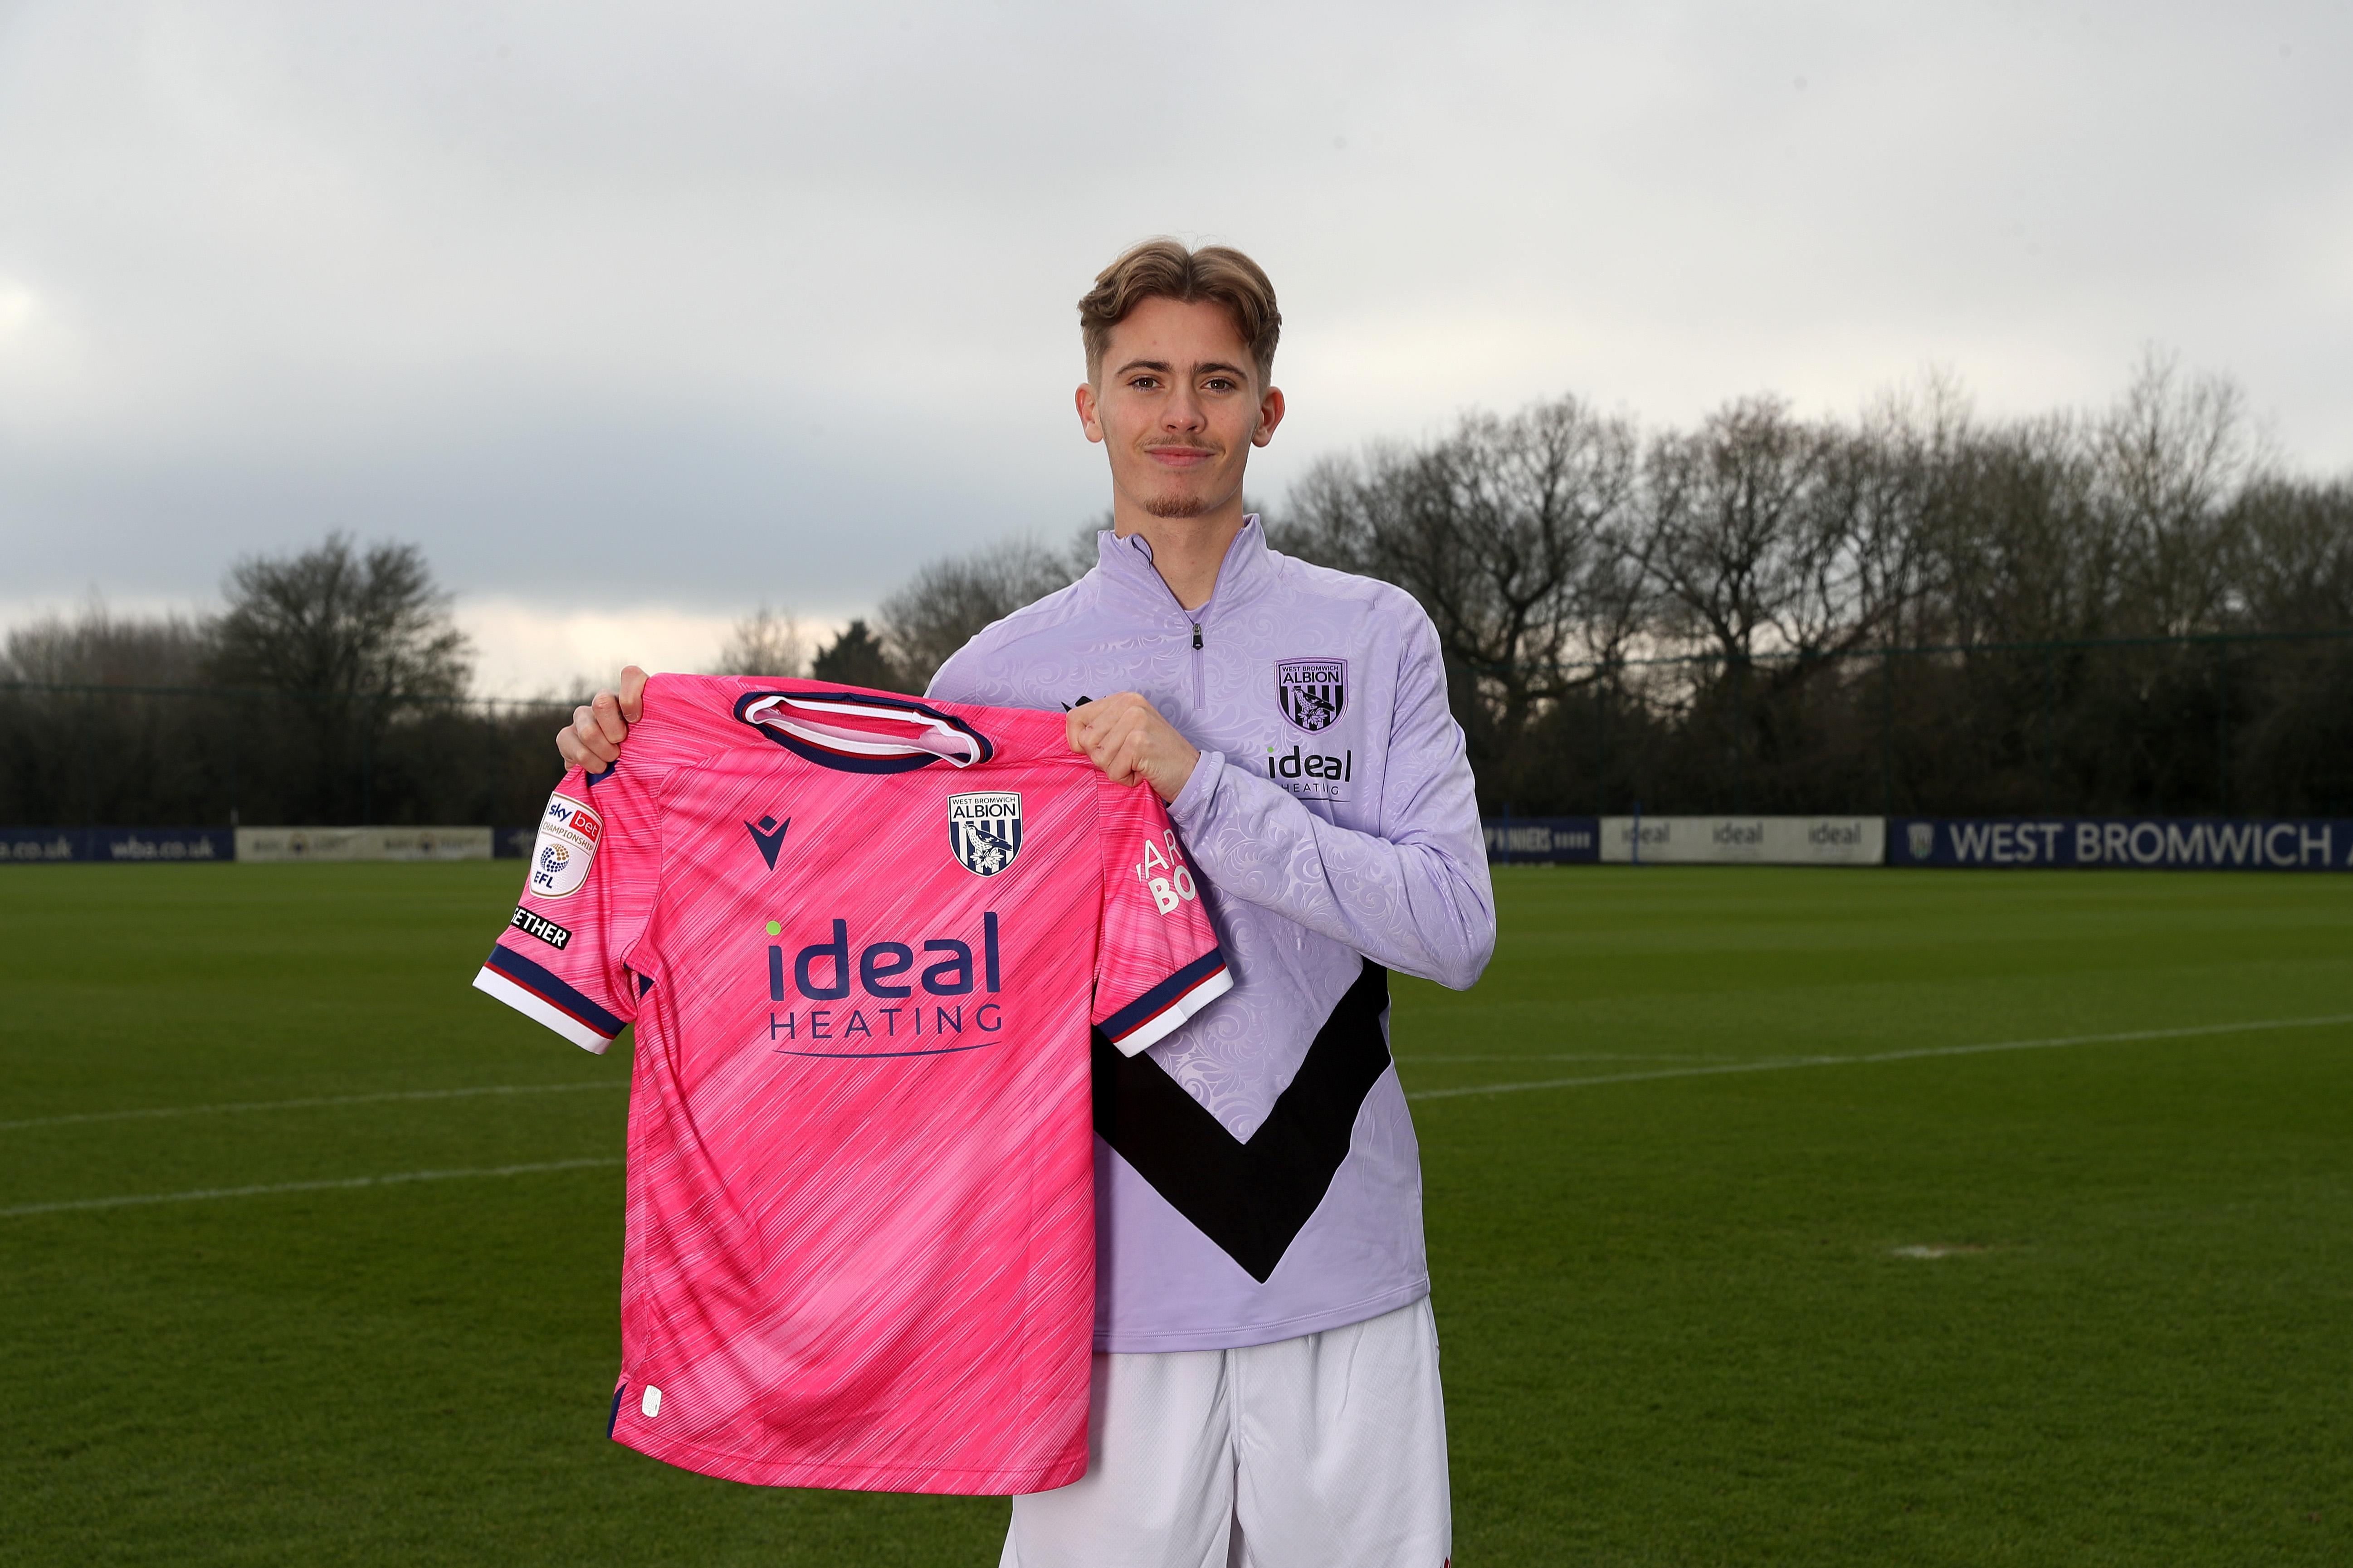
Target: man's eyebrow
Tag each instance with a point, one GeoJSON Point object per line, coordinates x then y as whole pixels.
{"type": "Point", "coordinates": [1207, 367]}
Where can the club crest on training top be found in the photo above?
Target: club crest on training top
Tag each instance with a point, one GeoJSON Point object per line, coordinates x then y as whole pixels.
{"type": "Point", "coordinates": [984, 830]}
{"type": "Point", "coordinates": [1312, 691]}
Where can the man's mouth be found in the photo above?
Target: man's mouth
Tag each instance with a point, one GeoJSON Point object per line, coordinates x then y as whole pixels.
{"type": "Point", "coordinates": [1178, 455]}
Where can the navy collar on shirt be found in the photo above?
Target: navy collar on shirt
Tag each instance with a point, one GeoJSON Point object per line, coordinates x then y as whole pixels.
{"type": "Point", "coordinates": [811, 744]}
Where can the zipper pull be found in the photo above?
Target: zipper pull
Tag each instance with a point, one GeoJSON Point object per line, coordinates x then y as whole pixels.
{"type": "Point", "coordinates": [1196, 637]}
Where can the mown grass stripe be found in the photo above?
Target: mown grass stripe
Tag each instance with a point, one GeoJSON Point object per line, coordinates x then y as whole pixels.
{"type": "Point", "coordinates": [204, 1192]}
{"type": "Point", "coordinates": [80, 1116]}
{"type": "Point", "coordinates": [1779, 1064]}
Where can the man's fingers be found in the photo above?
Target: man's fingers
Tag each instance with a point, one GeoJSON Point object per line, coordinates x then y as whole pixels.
{"type": "Point", "coordinates": [575, 750]}
{"type": "Point", "coordinates": [586, 742]}
{"type": "Point", "coordinates": [593, 739]}
{"type": "Point", "coordinates": [608, 711]}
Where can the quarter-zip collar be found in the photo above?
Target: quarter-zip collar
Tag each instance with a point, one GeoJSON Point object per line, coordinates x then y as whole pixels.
{"type": "Point", "coordinates": [1246, 571]}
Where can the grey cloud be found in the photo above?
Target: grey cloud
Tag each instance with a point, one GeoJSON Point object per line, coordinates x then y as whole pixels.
{"type": "Point", "coordinates": [721, 290]}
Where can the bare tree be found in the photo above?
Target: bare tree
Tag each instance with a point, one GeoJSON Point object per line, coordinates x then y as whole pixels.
{"type": "Point", "coordinates": [1751, 531]}
{"type": "Point", "coordinates": [765, 642]}
{"type": "Point", "coordinates": [2294, 540]}
{"type": "Point", "coordinates": [359, 640]}
{"type": "Point", "coordinates": [2170, 455]}
{"type": "Point", "coordinates": [2018, 548]}
{"type": "Point", "coordinates": [1508, 530]}
{"type": "Point", "coordinates": [333, 622]}
{"type": "Point", "coordinates": [98, 647]}
{"type": "Point", "coordinates": [949, 601]}
{"type": "Point", "coordinates": [858, 658]}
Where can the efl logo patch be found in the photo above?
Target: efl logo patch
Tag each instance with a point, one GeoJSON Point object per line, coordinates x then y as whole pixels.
{"type": "Point", "coordinates": [1312, 691]}
{"type": "Point", "coordinates": [984, 830]}
{"type": "Point", "coordinates": [540, 926]}
{"type": "Point", "coordinates": [566, 848]}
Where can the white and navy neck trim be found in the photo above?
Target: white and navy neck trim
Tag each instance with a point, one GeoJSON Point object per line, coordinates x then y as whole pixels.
{"type": "Point", "coordinates": [916, 735]}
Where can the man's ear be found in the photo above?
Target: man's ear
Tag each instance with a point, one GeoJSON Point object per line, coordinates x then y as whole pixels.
{"type": "Point", "coordinates": [1270, 414]}
{"type": "Point", "coordinates": [1088, 420]}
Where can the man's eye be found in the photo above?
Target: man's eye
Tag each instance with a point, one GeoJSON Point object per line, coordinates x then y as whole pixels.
{"type": "Point", "coordinates": [1217, 384]}
{"type": "Point", "coordinates": [1145, 382]}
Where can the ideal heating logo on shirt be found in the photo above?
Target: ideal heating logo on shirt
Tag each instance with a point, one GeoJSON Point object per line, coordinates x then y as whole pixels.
{"type": "Point", "coordinates": [824, 972]}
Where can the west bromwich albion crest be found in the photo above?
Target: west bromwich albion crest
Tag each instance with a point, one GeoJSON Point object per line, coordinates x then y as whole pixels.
{"type": "Point", "coordinates": [1312, 691]}
{"type": "Point", "coordinates": [984, 830]}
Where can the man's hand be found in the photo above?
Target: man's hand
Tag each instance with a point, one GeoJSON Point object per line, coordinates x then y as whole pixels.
{"type": "Point", "coordinates": [1126, 738]}
{"type": "Point", "coordinates": [593, 739]}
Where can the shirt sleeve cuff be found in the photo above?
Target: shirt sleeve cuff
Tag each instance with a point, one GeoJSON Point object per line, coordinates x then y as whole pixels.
{"type": "Point", "coordinates": [1186, 810]}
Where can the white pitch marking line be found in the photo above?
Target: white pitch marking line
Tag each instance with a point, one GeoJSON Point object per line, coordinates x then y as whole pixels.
{"type": "Point", "coordinates": [304, 1104]}
{"type": "Point", "coordinates": [1779, 1064]}
{"type": "Point", "coordinates": [1414, 1061]}
{"type": "Point", "coordinates": [298, 1187]}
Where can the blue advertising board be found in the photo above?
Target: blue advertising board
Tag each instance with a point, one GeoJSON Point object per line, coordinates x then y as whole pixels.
{"type": "Point", "coordinates": [2152, 843]}
{"type": "Point", "coordinates": [1551, 840]}
{"type": "Point", "coordinates": [118, 846]}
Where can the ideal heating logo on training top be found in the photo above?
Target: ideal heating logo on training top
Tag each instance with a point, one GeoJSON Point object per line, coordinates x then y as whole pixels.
{"type": "Point", "coordinates": [984, 830]}
{"type": "Point", "coordinates": [1311, 775]}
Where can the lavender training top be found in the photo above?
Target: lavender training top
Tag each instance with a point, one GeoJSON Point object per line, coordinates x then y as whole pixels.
{"type": "Point", "coordinates": [1256, 1173]}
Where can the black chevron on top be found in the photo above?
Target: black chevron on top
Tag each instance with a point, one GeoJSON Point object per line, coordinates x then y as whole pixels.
{"type": "Point", "coordinates": [1249, 1198]}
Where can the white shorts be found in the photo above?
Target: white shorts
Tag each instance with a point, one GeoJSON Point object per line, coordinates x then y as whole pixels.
{"type": "Point", "coordinates": [1325, 1449]}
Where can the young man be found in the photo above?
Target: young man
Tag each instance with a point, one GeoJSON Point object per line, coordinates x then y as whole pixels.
{"type": "Point", "coordinates": [1266, 1388]}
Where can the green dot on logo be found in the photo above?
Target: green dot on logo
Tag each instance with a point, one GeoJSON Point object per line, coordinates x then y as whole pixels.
{"type": "Point", "coordinates": [776, 930]}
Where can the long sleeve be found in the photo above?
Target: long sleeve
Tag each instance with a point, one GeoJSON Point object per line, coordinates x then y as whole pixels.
{"type": "Point", "coordinates": [1413, 895]}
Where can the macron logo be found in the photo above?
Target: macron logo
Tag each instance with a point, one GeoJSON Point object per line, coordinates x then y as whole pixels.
{"type": "Point", "coordinates": [769, 835]}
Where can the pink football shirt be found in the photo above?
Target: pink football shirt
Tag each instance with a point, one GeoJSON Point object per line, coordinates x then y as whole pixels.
{"type": "Point", "coordinates": [863, 940]}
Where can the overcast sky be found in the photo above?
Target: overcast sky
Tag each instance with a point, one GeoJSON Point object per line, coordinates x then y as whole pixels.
{"type": "Point", "coordinates": [634, 315]}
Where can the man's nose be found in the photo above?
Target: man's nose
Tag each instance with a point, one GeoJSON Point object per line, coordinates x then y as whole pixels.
{"type": "Point", "coordinates": [1183, 411]}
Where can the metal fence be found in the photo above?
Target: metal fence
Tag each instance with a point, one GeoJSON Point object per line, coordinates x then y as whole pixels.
{"type": "Point", "coordinates": [78, 755]}
{"type": "Point", "coordinates": [2242, 724]}
{"type": "Point", "coordinates": [2211, 726]}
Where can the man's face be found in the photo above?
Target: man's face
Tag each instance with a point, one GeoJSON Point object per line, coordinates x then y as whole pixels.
{"type": "Point", "coordinates": [1179, 406]}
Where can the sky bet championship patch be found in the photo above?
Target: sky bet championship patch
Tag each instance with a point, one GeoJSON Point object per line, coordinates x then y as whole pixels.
{"type": "Point", "coordinates": [566, 848]}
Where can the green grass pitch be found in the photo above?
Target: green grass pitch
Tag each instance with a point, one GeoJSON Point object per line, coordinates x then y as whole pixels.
{"type": "Point", "coordinates": [1681, 1323]}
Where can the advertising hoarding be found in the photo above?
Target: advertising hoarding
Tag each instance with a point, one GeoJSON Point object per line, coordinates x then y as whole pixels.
{"type": "Point", "coordinates": [115, 845]}
{"type": "Point", "coordinates": [282, 844]}
{"type": "Point", "coordinates": [1547, 840]}
{"type": "Point", "coordinates": [1744, 840]}
{"type": "Point", "coordinates": [2147, 843]}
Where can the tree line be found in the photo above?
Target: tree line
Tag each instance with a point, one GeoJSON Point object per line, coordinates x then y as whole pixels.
{"type": "Point", "coordinates": [2136, 608]}
{"type": "Point", "coordinates": [332, 688]}
{"type": "Point", "coordinates": [1914, 609]}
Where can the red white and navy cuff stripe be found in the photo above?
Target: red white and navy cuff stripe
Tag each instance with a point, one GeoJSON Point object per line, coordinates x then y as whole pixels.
{"type": "Point", "coordinates": [531, 991]}
{"type": "Point", "coordinates": [1153, 1015]}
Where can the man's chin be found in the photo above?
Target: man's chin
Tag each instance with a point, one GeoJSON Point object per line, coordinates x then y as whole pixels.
{"type": "Point", "coordinates": [1178, 505]}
